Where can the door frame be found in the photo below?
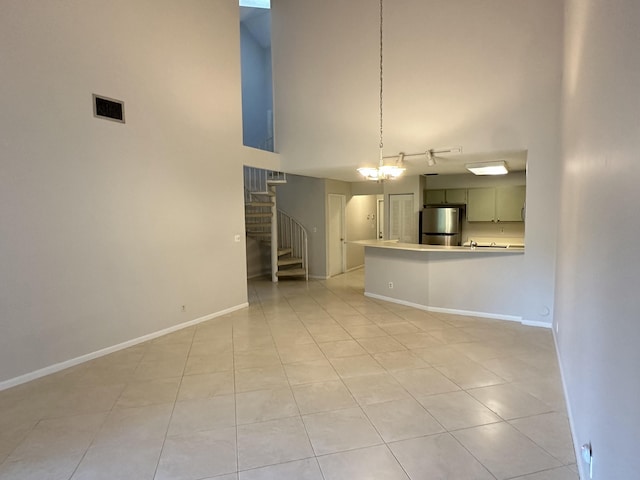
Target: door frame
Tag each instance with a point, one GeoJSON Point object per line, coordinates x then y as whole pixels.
{"type": "Point", "coordinates": [380, 217]}
{"type": "Point", "coordinates": [343, 227]}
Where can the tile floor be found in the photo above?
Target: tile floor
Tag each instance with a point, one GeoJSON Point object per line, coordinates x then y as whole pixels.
{"type": "Point", "coordinates": [310, 382]}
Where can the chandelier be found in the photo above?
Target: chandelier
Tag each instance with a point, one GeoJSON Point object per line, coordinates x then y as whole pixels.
{"type": "Point", "coordinates": [382, 171]}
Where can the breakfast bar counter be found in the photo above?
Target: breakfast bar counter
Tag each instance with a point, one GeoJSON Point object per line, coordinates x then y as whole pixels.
{"type": "Point", "coordinates": [481, 281]}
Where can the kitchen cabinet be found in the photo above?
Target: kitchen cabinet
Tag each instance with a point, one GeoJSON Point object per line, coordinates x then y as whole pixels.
{"type": "Point", "coordinates": [510, 203]}
{"type": "Point", "coordinates": [454, 196]}
{"type": "Point", "coordinates": [499, 204]}
{"type": "Point", "coordinates": [432, 197]}
{"type": "Point", "coordinates": [481, 204]}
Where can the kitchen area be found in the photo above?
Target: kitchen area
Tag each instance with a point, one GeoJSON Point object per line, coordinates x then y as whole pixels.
{"type": "Point", "coordinates": [469, 258]}
{"type": "Point", "coordinates": [482, 210]}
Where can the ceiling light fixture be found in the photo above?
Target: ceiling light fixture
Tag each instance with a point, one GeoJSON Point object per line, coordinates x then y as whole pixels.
{"type": "Point", "coordinates": [383, 172]}
{"type": "Point", "coordinates": [488, 168]}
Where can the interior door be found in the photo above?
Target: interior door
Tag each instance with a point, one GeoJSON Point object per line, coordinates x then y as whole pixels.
{"type": "Point", "coordinates": [403, 222]}
{"type": "Point", "coordinates": [337, 251]}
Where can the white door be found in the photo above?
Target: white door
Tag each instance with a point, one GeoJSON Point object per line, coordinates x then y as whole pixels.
{"type": "Point", "coordinates": [380, 219]}
{"type": "Point", "coordinates": [403, 221]}
{"type": "Point", "coordinates": [336, 223]}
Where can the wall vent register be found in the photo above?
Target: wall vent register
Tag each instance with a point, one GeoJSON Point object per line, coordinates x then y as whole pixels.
{"type": "Point", "coordinates": [108, 108]}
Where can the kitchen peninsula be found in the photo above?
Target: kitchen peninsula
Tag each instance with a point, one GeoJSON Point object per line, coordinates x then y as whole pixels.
{"type": "Point", "coordinates": [484, 281]}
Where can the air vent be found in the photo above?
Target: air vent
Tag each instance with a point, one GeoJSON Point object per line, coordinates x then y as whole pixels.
{"type": "Point", "coordinates": [108, 108]}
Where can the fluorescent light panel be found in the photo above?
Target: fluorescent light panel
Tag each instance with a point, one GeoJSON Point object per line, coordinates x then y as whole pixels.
{"type": "Point", "coordinates": [488, 168]}
{"type": "Point", "coordinates": [256, 3]}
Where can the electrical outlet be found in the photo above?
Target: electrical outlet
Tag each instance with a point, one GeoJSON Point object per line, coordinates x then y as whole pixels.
{"type": "Point", "coordinates": [587, 456]}
{"type": "Point", "coordinates": [390, 285]}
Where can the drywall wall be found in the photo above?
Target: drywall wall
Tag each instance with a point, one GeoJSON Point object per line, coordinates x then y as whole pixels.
{"type": "Point", "coordinates": [483, 75]}
{"type": "Point", "coordinates": [597, 301]}
{"type": "Point", "coordinates": [107, 229]}
{"type": "Point", "coordinates": [455, 282]}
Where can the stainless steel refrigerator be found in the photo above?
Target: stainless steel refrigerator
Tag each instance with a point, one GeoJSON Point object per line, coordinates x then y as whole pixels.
{"type": "Point", "coordinates": [441, 225]}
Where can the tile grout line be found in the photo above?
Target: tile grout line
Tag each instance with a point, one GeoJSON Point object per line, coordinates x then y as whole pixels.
{"type": "Point", "coordinates": [173, 408]}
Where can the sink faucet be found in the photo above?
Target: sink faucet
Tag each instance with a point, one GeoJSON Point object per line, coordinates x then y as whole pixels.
{"type": "Point", "coordinates": [473, 244]}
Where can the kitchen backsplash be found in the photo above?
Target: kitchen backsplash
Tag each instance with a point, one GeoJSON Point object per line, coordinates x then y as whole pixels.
{"type": "Point", "coordinates": [508, 232]}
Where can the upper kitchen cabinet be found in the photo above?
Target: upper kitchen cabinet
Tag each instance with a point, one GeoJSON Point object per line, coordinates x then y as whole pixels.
{"type": "Point", "coordinates": [456, 196]}
{"type": "Point", "coordinates": [510, 203]}
{"type": "Point", "coordinates": [481, 205]}
{"type": "Point", "coordinates": [434, 197]}
{"type": "Point", "coordinates": [499, 204]}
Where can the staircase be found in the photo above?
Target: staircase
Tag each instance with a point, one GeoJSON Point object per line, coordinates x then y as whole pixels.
{"type": "Point", "coordinates": [286, 237]}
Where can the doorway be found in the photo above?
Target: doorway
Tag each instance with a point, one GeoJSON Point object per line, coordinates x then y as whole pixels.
{"type": "Point", "coordinates": [337, 250]}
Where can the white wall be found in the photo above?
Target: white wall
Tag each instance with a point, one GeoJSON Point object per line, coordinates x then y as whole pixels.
{"type": "Point", "coordinates": [597, 285]}
{"type": "Point", "coordinates": [107, 229]}
{"type": "Point", "coordinates": [483, 75]}
{"type": "Point", "coordinates": [455, 282]}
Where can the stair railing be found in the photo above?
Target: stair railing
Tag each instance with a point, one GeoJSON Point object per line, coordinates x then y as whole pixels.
{"type": "Point", "coordinates": [256, 180]}
{"type": "Point", "coordinates": [291, 234]}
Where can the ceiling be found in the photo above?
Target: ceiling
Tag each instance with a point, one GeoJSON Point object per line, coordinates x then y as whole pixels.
{"type": "Point", "coordinates": [446, 164]}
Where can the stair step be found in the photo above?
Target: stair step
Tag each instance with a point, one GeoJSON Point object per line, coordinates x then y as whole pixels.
{"type": "Point", "coordinates": [268, 193]}
{"type": "Point", "coordinates": [289, 261]}
{"type": "Point", "coordinates": [258, 224]}
{"type": "Point", "coordinates": [284, 251]}
{"type": "Point", "coordinates": [258, 215]}
{"type": "Point", "coordinates": [259, 234]}
{"type": "Point", "coordinates": [291, 272]}
{"type": "Point", "coordinates": [259, 204]}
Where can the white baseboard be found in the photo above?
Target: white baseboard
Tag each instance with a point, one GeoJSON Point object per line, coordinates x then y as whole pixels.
{"type": "Point", "coordinates": [318, 277]}
{"type": "Point", "coordinates": [469, 313]}
{"type": "Point", "coordinates": [533, 323]}
{"type": "Point", "coordinates": [574, 436]}
{"type": "Point", "coordinates": [27, 377]}
{"type": "Point", "coordinates": [355, 268]}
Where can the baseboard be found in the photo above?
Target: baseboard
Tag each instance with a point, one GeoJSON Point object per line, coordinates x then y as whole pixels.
{"type": "Point", "coordinates": [27, 377]}
{"type": "Point", "coordinates": [469, 313]}
{"type": "Point", "coordinates": [318, 277]}
{"type": "Point", "coordinates": [533, 323]}
{"type": "Point", "coordinates": [258, 275]}
{"type": "Point", "coordinates": [576, 446]}
{"type": "Point", "coordinates": [354, 268]}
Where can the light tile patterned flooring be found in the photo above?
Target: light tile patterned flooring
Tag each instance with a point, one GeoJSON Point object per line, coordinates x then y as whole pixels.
{"type": "Point", "coordinates": [310, 382]}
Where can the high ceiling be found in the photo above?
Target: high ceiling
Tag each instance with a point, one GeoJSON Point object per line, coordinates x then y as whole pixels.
{"type": "Point", "coordinates": [446, 164]}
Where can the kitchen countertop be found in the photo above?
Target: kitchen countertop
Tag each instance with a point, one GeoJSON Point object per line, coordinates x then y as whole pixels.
{"type": "Point", "coordinates": [415, 247]}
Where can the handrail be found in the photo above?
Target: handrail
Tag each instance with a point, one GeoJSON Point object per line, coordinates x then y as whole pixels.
{"type": "Point", "coordinates": [291, 234]}
{"type": "Point", "coordinates": [257, 180]}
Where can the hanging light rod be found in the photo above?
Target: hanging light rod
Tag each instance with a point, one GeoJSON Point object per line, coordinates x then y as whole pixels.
{"type": "Point", "coordinates": [390, 172]}
{"type": "Point", "coordinates": [431, 151]}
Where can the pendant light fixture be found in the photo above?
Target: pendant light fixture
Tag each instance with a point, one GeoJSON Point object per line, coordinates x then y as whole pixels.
{"type": "Point", "coordinates": [382, 171]}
